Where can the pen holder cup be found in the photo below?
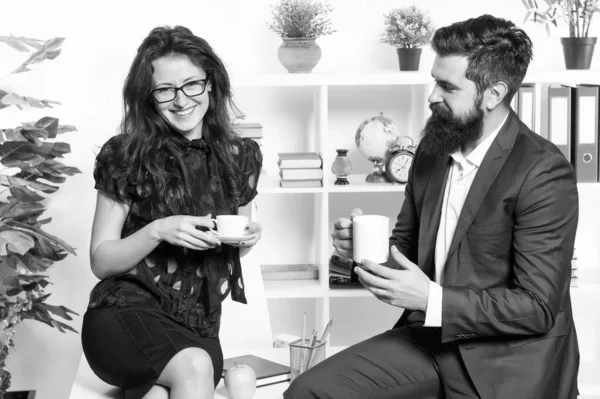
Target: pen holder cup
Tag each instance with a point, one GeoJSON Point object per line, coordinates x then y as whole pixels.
{"type": "Point", "coordinates": [303, 357]}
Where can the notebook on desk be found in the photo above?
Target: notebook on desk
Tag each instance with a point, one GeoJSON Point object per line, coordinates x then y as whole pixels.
{"type": "Point", "coordinates": [267, 372]}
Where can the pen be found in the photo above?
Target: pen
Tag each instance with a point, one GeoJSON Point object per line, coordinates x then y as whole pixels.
{"type": "Point", "coordinates": [326, 332]}
{"type": "Point", "coordinates": [303, 328]}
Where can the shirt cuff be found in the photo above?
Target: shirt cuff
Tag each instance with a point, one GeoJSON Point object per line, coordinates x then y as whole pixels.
{"type": "Point", "coordinates": [433, 314]}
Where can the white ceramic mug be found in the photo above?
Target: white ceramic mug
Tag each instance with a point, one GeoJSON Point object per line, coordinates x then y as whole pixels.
{"type": "Point", "coordinates": [370, 238]}
{"type": "Point", "coordinates": [231, 225]}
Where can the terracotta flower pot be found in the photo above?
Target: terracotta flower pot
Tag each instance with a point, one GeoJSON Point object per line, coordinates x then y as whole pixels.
{"type": "Point", "coordinates": [578, 51]}
{"type": "Point", "coordinates": [299, 55]}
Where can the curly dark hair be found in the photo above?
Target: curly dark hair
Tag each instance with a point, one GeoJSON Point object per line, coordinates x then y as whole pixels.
{"type": "Point", "coordinates": [148, 157]}
{"type": "Point", "coordinates": [497, 51]}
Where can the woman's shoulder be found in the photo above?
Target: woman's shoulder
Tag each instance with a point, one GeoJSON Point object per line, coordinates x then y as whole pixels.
{"type": "Point", "coordinates": [111, 148]}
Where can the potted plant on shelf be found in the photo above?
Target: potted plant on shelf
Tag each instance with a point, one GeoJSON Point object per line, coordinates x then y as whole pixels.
{"type": "Point", "coordinates": [408, 29]}
{"type": "Point", "coordinates": [30, 171]}
{"type": "Point", "coordinates": [299, 23]}
{"type": "Point", "coordinates": [578, 48]}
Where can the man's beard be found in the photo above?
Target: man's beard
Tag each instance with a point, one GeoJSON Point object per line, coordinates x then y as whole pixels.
{"type": "Point", "coordinates": [445, 133]}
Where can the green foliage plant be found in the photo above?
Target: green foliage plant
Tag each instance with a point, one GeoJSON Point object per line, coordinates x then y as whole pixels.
{"type": "Point", "coordinates": [301, 19]}
{"type": "Point", "coordinates": [407, 27]}
{"type": "Point", "coordinates": [30, 171]}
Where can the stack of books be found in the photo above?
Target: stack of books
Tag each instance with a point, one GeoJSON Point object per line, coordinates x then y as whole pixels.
{"type": "Point", "coordinates": [341, 273]}
{"type": "Point", "coordinates": [252, 130]}
{"type": "Point", "coordinates": [300, 169]}
{"type": "Point", "coordinates": [574, 268]}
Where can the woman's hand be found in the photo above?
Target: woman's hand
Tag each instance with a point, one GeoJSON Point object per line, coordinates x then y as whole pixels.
{"type": "Point", "coordinates": [253, 229]}
{"type": "Point", "coordinates": [181, 230]}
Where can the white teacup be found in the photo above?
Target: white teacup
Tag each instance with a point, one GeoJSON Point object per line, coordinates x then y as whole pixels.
{"type": "Point", "coordinates": [370, 238]}
{"type": "Point", "coordinates": [231, 225]}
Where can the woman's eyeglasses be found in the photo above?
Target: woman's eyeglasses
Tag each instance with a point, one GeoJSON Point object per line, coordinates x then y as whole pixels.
{"type": "Point", "coordinates": [190, 89]}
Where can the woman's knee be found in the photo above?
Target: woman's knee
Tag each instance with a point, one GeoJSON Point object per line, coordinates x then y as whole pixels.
{"type": "Point", "coordinates": [189, 365]}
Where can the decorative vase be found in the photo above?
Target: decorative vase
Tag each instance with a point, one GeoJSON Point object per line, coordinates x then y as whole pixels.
{"type": "Point", "coordinates": [341, 167]}
{"type": "Point", "coordinates": [409, 58]}
{"type": "Point", "coordinates": [299, 55]}
{"type": "Point", "coordinates": [578, 51]}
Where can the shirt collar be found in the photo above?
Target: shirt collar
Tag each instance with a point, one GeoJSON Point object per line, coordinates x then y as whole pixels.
{"type": "Point", "coordinates": [198, 144]}
{"type": "Point", "coordinates": [476, 156]}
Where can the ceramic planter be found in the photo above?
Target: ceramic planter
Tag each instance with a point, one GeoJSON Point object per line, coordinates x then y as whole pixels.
{"type": "Point", "coordinates": [299, 55]}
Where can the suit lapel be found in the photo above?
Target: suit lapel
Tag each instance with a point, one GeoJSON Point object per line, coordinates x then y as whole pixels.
{"type": "Point", "coordinates": [430, 214]}
{"type": "Point", "coordinates": [485, 177]}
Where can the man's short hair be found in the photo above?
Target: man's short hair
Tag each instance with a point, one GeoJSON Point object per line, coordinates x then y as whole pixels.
{"type": "Point", "coordinates": [495, 48]}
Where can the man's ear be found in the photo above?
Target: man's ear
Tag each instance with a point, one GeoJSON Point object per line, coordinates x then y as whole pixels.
{"type": "Point", "coordinates": [495, 94]}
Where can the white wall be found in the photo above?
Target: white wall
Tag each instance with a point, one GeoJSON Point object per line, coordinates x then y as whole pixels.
{"type": "Point", "coordinates": [102, 38]}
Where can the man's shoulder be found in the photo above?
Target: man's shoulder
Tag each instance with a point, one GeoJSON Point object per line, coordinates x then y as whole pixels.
{"type": "Point", "coordinates": [531, 147]}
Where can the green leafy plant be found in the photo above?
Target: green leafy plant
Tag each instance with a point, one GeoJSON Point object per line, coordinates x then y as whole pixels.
{"type": "Point", "coordinates": [577, 14]}
{"type": "Point", "coordinates": [301, 19]}
{"type": "Point", "coordinates": [407, 27]}
{"type": "Point", "coordinates": [30, 172]}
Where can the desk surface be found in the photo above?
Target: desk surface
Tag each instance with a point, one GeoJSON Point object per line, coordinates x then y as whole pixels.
{"type": "Point", "coordinates": [88, 386]}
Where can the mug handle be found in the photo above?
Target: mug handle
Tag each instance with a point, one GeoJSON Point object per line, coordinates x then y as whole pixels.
{"type": "Point", "coordinates": [213, 230]}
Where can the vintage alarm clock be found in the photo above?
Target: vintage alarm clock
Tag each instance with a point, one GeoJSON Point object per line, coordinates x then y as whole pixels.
{"type": "Point", "coordinates": [398, 159]}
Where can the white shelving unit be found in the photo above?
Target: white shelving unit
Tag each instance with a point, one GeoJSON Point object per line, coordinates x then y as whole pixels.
{"type": "Point", "coordinates": [326, 110]}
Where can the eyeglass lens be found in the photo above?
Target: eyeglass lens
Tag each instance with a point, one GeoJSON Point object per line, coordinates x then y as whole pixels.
{"type": "Point", "coordinates": [190, 89]}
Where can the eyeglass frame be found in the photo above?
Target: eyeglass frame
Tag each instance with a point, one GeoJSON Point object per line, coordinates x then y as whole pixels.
{"type": "Point", "coordinates": [205, 81]}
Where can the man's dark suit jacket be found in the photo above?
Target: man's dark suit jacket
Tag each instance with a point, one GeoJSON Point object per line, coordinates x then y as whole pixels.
{"type": "Point", "coordinates": [506, 300]}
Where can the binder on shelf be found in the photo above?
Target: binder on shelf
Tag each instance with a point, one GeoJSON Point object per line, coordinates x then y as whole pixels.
{"type": "Point", "coordinates": [526, 106]}
{"type": "Point", "coordinates": [585, 133]}
{"type": "Point", "coordinates": [559, 118]}
{"type": "Point", "coordinates": [514, 103]}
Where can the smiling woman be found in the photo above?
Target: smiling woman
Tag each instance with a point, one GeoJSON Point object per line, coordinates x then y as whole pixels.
{"type": "Point", "coordinates": [153, 319]}
{"type": "Point", "coordinates": [182, 107]}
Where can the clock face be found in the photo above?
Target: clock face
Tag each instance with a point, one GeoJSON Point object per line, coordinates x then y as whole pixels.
{"type": "Point", "coordinates": [399, 166]}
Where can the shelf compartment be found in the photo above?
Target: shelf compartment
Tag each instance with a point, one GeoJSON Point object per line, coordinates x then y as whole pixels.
{"type": "Point", "coordinates": [359, 185]}
{"type": "Point", "coordinates": [293, 289]}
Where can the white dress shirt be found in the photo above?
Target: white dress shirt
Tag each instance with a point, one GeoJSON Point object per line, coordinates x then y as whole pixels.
{"type": "Point", "coordinates": [460, 177]}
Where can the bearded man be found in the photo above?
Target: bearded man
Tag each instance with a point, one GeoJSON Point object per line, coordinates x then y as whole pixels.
{"type": "Point", "coordinates": [480, 255]}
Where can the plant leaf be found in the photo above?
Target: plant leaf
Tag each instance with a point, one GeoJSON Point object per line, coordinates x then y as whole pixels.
{"type": "Point", "coordinates": [41, 235]}
{"type": "Point", "coordinates": [23, 102]}
{"type": "Point", "coordinates": [15, 241]}
{"type": "Point", "coordinates": [19, 210]}
{"type": "Point", "coordinates": [9, 181]}
{"type": "Point", "coordinates": [19, 43]}
{"type": "Point", "coordinates": [35, 264]}
{"type": "Point", "coordinates": [25, 195]}
{"type": "Point", "coordinates": [49, 50]}
{"type": "Point", "coordinates": [8, 278]}
{"type": "Point", "coordinates": [59, 311]}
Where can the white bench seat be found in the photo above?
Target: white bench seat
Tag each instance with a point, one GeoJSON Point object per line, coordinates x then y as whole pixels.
{"type": "Point", "coordinates": [88, 386]}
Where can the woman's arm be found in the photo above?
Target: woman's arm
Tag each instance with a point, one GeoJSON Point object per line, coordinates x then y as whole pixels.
{"type": "Point", "coordinates": [110, 254]}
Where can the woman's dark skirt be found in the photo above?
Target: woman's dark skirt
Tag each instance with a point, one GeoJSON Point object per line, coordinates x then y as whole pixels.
{"type": "Point", "coordinates": [130, 347]}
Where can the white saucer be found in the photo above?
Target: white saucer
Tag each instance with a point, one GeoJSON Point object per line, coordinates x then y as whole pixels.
{"type": "Point", "coordinates": [232, 240]}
